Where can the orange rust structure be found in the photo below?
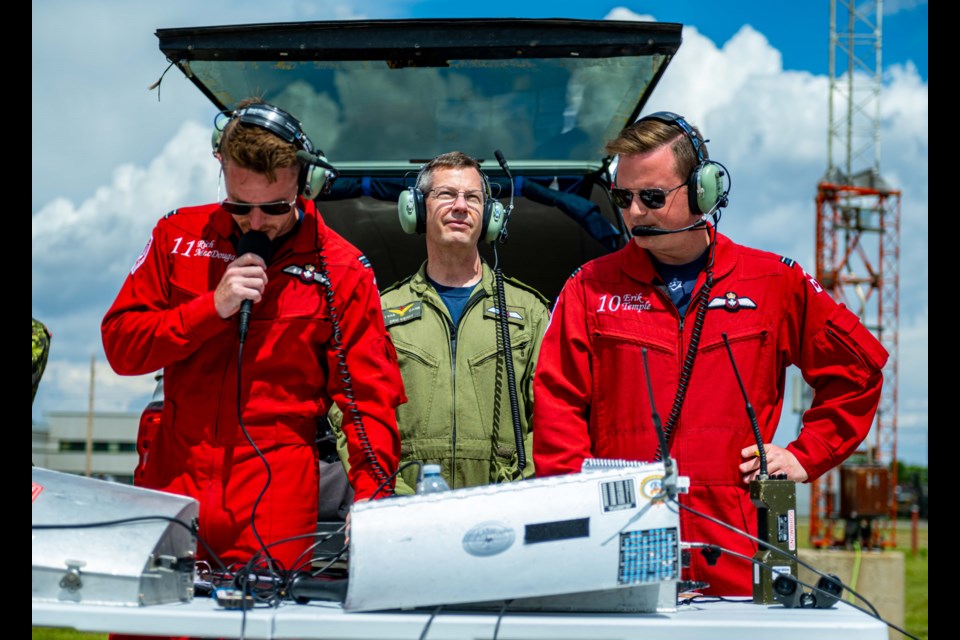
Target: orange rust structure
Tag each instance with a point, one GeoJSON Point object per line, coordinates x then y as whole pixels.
{"type": "Point", "coordinates": [858, 248]}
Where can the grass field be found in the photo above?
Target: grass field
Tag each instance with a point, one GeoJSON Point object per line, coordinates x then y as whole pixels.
{"type": "Point", "coordinates": [915, 588]}
{"type": "Point", "coordinates": [915, 575]}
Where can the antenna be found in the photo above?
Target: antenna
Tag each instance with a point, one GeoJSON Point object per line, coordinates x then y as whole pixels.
{"type": "Point", "coordinates": [752, 415]}
{"type": "Point", "coordinates": [669, 472]}
{"type": "Point", "coordinates": [506, 216]}
{"type": "Point", "coordinates": [776, 502]}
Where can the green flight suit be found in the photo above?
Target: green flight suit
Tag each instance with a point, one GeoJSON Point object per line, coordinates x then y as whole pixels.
{"type": "Point", "coordinates": [455, 416]}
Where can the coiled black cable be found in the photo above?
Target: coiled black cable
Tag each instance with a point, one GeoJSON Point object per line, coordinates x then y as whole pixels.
{"type": "Point", "coordinates": [688, 361]}
{"type": "Point", "coordinates": [690, 357]}
{"type": "Point", "coordinates": [351, 408]}
{"type": "Point", "coordinates": [504, 323]}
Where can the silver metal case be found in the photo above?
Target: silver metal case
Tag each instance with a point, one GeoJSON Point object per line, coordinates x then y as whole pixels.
{"type": "Point", "coordinates": [141, 563]}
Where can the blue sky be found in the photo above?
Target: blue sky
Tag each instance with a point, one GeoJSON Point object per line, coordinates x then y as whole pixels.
{"type": "Point", "coordinates": [799, 30]}
{"type": "Point", "coordinates": [110, 156]}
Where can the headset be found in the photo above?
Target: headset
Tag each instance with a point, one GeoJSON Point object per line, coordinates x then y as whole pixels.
{"type": "Point", "coordinates": [706, 192]}
{"type": "Point", "coordinates": [413, 210]}
{"type": "Point", "coordinates": [314, 170]}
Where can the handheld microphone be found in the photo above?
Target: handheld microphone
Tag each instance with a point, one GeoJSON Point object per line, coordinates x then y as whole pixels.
{"type": "Point", "coordinates": [776, 502]}
{"type": "Point", "coordinates": [644, 232]}
{"type": "Point", "coordinates": [506, 170]}
{"type": "Point", "coordinates": [259, 243]}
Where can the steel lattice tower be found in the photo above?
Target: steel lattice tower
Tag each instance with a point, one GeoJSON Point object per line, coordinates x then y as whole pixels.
{"type": "Point", "coordinates": [858, 229]}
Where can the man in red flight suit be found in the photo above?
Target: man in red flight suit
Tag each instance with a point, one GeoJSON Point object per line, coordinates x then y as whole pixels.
{"type": "Point", "coordinates": [676, 290]}
{"type": "Point", "coordinates": [241, 439]}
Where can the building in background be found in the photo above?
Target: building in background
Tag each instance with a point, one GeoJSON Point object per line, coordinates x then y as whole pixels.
{"type": "Point", "coordinates": [61, 444]}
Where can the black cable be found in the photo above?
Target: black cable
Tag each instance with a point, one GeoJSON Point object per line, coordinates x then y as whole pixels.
{"type": "Point", "coordinates": [251, 581]}
{"type": "Point", "coordinates": [713, 599]}
{"type": "Point", "coordinates": [761, 449]}
{"type": "Point", "coordinates": [336, 557]}
{"type": "Point", "coordinates": [110, 523]}
{"type": "Point", "coordinates": [409, 463]}
{"type": "Point", "coordinates": [433, 614]}
{"type": "Point", "coordinates": [687, 370]}
{"type": "Point", "coordinates": [503, 610]}
{"type": "Point", "coordinates": [872, 612]}
{"type": "Point", "coordinates": [243, 427]}
{"type": "Point", "coordinates": [272, 586]}
{"type": "Point", "coordinates": [497, 391]}
{"type": "Point", "coordinates": [300, 562]}
{"type": "Point", "coordinates": [504, 324]}
{"type": "Point", "coordinates": [771, 547]}
{"type": "Point", "coordinates": [351, 409]}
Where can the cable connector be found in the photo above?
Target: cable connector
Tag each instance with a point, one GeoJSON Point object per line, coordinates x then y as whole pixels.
{"type": "Point", "coordinates": [233, 599]}
{"type": "Point", "coordinates": [710, 552]}
{"type": "Point", "coordinates": [673, 483]}
{"type": "Point", "coordinates": [687, 586]}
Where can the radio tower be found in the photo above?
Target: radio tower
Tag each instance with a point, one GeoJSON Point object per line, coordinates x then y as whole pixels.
{"type": "Point", "coordinates": [858, 254]}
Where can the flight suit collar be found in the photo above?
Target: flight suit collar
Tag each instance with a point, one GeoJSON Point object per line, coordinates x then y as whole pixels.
{"type": "Point", "coordinates": [638, 264]}
{"type": "Point", "coordinates": [421, 284]}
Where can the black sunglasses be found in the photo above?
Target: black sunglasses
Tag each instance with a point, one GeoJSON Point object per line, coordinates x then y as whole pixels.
{"type": "Point", "coordinates": [278, 208]}
{"type": "Point", "coordinates": [651, 198]}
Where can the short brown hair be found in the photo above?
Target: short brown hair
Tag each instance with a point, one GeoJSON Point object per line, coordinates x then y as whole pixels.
{"type": "Point", "coordinates": [255, 148]}
{"type": "Point", "coordinates": [450, 160]}
{"type": "Point", "coordinates": [649, 134]}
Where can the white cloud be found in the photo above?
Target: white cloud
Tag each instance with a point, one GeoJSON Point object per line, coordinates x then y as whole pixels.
{"type": "Point", "coordinates": [891, 7]}
{"type": "Point", "coordinates": [83, 252]}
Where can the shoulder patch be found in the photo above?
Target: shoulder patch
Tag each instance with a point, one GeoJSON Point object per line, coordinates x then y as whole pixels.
{"type": "Point", "coordinates": [402, 313]}
{"type": "Point", "coordinates": [787, 261]}
{"type": "Point", "coordinates": [364, 261]}
{"type": "Point", "coordinates": [143, 255]}
{"type": "Point", "coordinates": [170, 213]}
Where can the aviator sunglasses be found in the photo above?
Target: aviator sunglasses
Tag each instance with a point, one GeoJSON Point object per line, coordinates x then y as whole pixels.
{"type": "Point", "coordinates": [277, 208]}
{"type": "Point", "coordinates": [651, 198]}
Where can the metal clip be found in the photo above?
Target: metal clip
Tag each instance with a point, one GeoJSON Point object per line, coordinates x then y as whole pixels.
{"type": "Point", "coordinates": [71, 581]}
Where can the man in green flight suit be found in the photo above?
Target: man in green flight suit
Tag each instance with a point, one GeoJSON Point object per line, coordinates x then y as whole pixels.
{"type": "Point", "coordinates": [446, 325]}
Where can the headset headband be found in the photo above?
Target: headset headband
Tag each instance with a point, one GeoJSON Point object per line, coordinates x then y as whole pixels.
{"type": "Point", "coordinates": [670, 117]}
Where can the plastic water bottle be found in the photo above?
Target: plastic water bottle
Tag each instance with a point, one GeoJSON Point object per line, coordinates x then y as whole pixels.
{"type": "Point", "coordinates": [432, 481]}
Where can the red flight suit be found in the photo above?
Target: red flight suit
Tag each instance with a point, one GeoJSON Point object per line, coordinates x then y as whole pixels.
{"type": "Point", "coordinates": [164, 318]}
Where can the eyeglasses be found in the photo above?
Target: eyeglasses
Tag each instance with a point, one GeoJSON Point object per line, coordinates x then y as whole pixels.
{"type": "Point", "coordinates": [651, 198]}
{"type": "Point", "coordinates": [449, 195]}
{"type": "Point", "coordinates": [276, 208]}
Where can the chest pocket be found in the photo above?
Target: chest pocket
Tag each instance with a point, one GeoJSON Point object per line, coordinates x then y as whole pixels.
{"type": "Point", "coordinates": [486, 371]}
{"type": "Point", "coordinates": [291, 312]}
{"type": "Point", "coordinates": [300, 300]}
{"type": "Point", "coordinates": [420, 370]}
{"type": "Point", "coordinates": [187, 284]}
